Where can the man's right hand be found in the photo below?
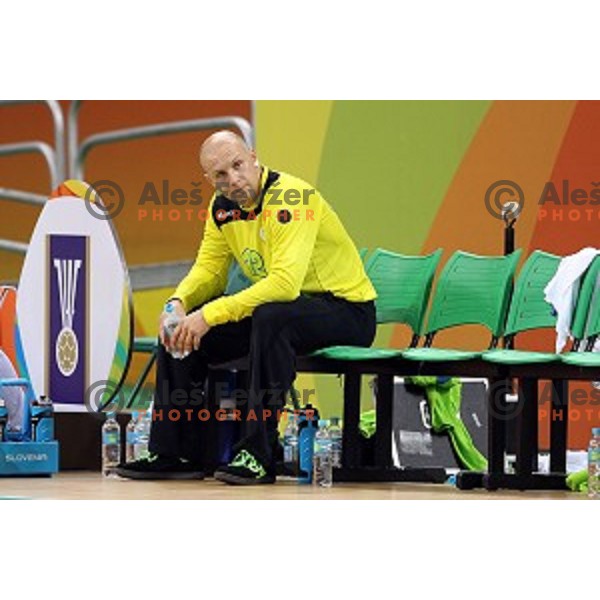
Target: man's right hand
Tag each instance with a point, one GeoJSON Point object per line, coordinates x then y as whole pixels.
{"type": "Point", "coordinates": [177, 310]}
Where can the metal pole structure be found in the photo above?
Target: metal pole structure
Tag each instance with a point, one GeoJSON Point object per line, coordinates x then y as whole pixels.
{"type": "Point", "coordinates": [16, 247]}
{"type": "Point", "coordinates": [75, 166]}
{"type": "Point", "coordinates": [24, 197]}
{"type": "Point", "coordinates": [54, 157]}
{"type": "Point", "coordinates": [509, 234]}
{"type": "Point", "coordinates": [136, 133]}
{"type": "Point", "coordinates": [73, 135]}
{"type": "Point", "coordinates": [30, 147]}
{"type": "Point", "coordinates": [59, 129]}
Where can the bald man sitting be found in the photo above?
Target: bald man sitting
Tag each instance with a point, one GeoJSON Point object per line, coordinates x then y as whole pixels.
{"type": "Point", "coordinates": [309, 290]}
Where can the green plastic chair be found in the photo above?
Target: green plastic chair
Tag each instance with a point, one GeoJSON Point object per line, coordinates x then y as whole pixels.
{"type": "Point", "coordinates": [472, 290]}
{"type": "Point", "coordinates": [403, 284]}
{"type": "Point", "coordinates": [586, 323]}
{"type": "Point", "coordinates": [528, 310]}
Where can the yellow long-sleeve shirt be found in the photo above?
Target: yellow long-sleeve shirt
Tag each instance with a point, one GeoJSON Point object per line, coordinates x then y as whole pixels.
{"type": "Point", "coordinates": [290, 241]}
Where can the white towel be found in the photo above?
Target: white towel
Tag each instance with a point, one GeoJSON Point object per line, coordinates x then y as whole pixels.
{"type": "Point", "coordinates": [563, 288]}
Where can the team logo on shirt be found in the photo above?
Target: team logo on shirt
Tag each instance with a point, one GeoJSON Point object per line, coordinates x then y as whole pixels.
{"type": "Point", "coordinates": [255, 263]}
{"type": "Point", "coordinates": [284, 216]}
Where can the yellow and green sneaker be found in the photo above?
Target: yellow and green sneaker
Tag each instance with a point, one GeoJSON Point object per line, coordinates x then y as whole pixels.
{"type": "Point", "coordinates": [244, 469]}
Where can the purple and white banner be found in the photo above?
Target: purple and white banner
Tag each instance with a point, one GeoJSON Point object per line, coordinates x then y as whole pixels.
{"type": "Point", "coordinates": [68, 300]}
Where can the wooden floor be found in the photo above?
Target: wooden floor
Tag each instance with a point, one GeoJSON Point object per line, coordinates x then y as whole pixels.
{"type": "Point", "coordinates": [92, 486]}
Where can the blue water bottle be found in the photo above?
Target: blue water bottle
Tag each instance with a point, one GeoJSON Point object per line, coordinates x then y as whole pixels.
{"type": "Point", "coordinates": [308, 420]}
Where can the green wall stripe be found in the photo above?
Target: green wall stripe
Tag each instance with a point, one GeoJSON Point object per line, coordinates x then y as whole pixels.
{"type": "Point", "coordinates": [397, 159]}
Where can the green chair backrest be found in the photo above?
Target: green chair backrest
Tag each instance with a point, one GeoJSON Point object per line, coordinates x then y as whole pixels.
{"type": "Point", "coordinates": [473, 290]}
{"type": "Point", "coordinates": [528, 309]}
{"type": "Point", "coordinates": [586, 320]}
{"type": "Point", "coordinates": [363, 253]}
{"type": "Point", "coordinates": [593, 324]}
{"type": "Point", "coordinates": [403, 285]}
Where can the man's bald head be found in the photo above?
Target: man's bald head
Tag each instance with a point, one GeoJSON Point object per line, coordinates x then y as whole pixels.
{"type": "Point", "coordinates": [220, 139]}
{"type": "Point", "coordinates": [231, 166]}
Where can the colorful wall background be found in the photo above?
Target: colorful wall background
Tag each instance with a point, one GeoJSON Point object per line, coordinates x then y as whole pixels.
{"type": "Point", "coordinates": [408, 176]}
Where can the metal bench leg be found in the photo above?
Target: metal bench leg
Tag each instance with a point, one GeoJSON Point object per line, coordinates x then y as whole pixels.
{"type": "Point", "coordinates": [497, 415]}
{"type": "Point", "coordinates": [385, 408]}
{"type": "Point", "coordinates": [351, 436]}
{"type": "Point", "coordinates": [559, 426]}
{"type": "Point", "coordinates": [527, 428]}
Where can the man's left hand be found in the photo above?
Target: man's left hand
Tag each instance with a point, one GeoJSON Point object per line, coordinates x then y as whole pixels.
{"type": "Point", "coordinates": [189, 332]}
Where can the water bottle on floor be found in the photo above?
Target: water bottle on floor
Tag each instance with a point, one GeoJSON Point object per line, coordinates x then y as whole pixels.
{"type": "Point", "coordinates": [131, 437]}
{"type": "Point", "coordinates": [307, 420]}
{"type": "Point", "coordinates": [143, 434]}
{"type": "Point", "coordinates": [290, 445]}
{"type": "Point", "coordinates": [335, 434]}
{"type": "Point", "coordinates": [594, 465]}
{"type": "Point", "coordinates": [111, 445]}
{"type": "Point", "coordinates": [322, 469]}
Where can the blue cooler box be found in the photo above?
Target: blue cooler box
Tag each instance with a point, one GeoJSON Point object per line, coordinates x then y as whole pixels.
{"type": "Point", "coordinates": [28, 458]}
{"type": "Point", "coordinates": [35, 457]}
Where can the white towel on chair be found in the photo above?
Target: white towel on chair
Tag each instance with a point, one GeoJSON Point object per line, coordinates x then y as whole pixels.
{"type": "Point", "coordinates": [563, 289]}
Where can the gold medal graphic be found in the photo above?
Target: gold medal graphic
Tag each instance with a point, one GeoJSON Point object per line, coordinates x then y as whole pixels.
{"type": "Point", "coordinates": [67, 352]}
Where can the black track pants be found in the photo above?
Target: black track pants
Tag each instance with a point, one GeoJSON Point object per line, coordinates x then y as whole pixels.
{"type": "Point", "coordinates": [272, 338]}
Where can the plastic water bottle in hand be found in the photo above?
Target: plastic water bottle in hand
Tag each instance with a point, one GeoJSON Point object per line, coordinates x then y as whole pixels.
{"type": "Point", "coordinates": [335, 434]}
{"type": "Point", "coordinates": [322, 469]}
{"type": "Point", "coordinates": [111, 445]}
{"type": "Point", "coordinates": [594, 465]}
{"type": "Point", "coordinates": [169, 326]}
